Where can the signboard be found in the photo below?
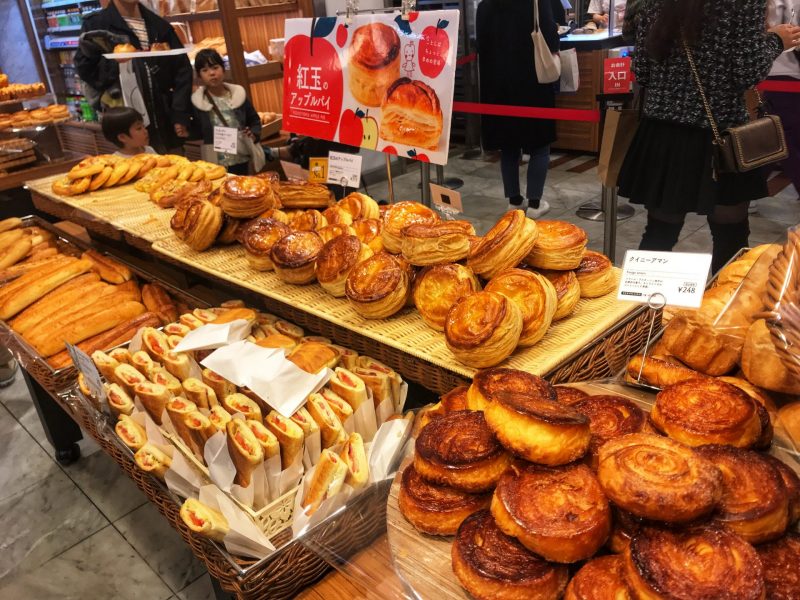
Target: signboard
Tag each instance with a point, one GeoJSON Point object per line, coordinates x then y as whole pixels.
{"type": "Point", "coordinates": [380, 82]}
{"type": "Point", "coordinates": [617, 75]}
{"type": "Point", "coordinates": [344, 169]}
{"type": "Point", "coordinates": [446, 200]}
{"type": "Point", "coordinates": [318, 170]}
{"type": "Point", "coordinates": [678, 278]}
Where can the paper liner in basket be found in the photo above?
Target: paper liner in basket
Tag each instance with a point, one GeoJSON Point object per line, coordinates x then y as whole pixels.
{"type": "Point", "coordinates": [212, 336]}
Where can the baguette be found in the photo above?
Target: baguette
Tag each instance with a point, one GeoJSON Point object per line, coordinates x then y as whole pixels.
{"type": "Point", "coordinates": [115, 336]}
{"type": "Point", "coordinates": [108, 268]}
{"type": "Point", "coordinates": [10, 223]}
{"type": "Point", "coordinates": [157, 300]}
{"type": "Point", "coordinates": [36, 285]}
{"type": "Point", "coordinates": [59, 299]}
{"type": "Point", "coordinates": [37, 260]}
{"type": "Point", "coordinates": [34, 275]}
{"type": "Point", "coordinates": [80, 330]}
{"type": "Point", "coordinates": [82, 306]}
{"type": "Point", "coordinates": [8, 238]}
{"type": "Point", "coordinates": [15, 252]}
{"type": "Point", "coordinates": [40, 251]}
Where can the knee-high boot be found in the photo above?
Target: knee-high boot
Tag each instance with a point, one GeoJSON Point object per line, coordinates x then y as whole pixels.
{"type": "Point", "coordinates": [660, 235]}
{"type": "Point", "coordinates": [728, 239]}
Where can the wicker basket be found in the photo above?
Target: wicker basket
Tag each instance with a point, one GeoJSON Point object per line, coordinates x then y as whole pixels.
{"type": "Point", "coordinates": [76, 215]}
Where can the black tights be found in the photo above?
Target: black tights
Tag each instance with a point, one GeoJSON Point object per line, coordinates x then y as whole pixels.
{"type": "Point", "coordinates": [729, 225]}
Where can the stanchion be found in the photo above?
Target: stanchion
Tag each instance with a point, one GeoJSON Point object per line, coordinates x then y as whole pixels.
{"type": "Point", "coordinates": [610, 227]}
{"type": "Point", "coordinates": [425, 171]}
{"type": "Point", "coordinates": [389, 182]}
{"type": "Point", "coordinates": [594, 211]}
{"type": "Point", "coordinates": [452, 183]}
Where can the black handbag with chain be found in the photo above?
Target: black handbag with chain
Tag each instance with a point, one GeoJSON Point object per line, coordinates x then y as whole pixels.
{"type": "Point", "coordinates": [744, 147]}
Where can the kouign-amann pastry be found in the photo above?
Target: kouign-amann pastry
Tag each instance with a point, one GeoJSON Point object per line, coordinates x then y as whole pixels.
{"type": "Point", "coordinates": [401, 215]}
{"type": "Point", "coordinates": [610, 417]}
{"type": "Point", "coordinates": [657, 372]}
{"type": "Point", "coordinates": [411, 114]}
{"type": "Point", "coordinates": [197, 223]}
{"type": "Point", "coordinates": [436, 509]}
{"type": "Point", "coordinates": [535, 297]}
{"type": "Point", "coordinates": [488, 384]}
{"type": "Point", "coordinates": [258, 237]}
{"type": "Point", "coordinates": [374, 62]}
{"type": "Point", "coordinates": [447, 242]}
{"type": "Point", "coordinates": [379, 286]}
{"type": "Point", "coordinates": [330, 232]}
{"type": "Point", "coordinates": [337, 259]}
{"type": "Point", "coordinates": [438, 288]}
{"type": "Point", "coordinates": [559, 246]}
{"type": "Point", "coordinates": [246, 197]}
{"type": "Point", "coordinates": [694, 563]}
{"type": "Point", "coordinates": [459, 450]}
{"type": "Point", "coordinates": [335, 215]}
{"type": "Point", "coordinates": [595, 275]}
{"type": "Point", "coordinates": [568, 291]}
{"type": "Point", "coordinates": [792, 482]}
{"type": "Point", "coordinates": [601, 578]}
{"type": "Point", "coordinates": [569, 395]}
{"type": "Point", "coordinates": [657, 478]}
{"type": "Point", "coordinates": [781, 562]}
{"type": "Point", "coordinates": [294, 256]}
{"type": "Point", "coordinates": [504, 246]}
{"type": "Point", "coordinates": [483, 329]}
{"type": "Point", "coordinates": [491, 565]}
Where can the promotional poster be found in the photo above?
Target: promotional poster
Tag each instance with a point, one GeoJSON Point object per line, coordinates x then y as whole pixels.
{"type": "Point", "coordinates": [380, 82]}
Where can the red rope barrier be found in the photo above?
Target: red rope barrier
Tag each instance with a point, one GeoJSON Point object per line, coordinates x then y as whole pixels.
{"type": "Point", "coordinates": [466, 59]}
{"type": "Point", "coordinates": [780, 86]}
{"type": "Point", "coordinates": [530, 112]}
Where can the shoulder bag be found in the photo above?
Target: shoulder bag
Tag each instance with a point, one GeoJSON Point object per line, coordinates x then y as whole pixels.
{"type": "Point", "coordinates": [548, 65]}
{"type": "Point", "coordinates": [744, 147]}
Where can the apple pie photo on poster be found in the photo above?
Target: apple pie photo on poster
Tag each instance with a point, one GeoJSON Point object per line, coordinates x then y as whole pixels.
{"type": "Point", "coordinates": [379, 82]}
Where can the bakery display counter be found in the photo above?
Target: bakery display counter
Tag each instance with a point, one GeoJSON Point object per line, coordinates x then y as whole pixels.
{"type": "Point", "coordinates": [17, 178]}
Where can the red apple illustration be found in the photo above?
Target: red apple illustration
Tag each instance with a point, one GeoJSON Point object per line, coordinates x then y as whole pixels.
{"type": "Point", "coordinates": [313, 84]}
{"type": "Point", "coordinates": [351, 128]}
{"type": "Point", "coordinates": [412, 16]}
{"type": "Point", "coordinates": [416, 156]}
{"type": "Point", "coordinates": [341, 35]}
{"type": "Point", "coordinates": [389, 150]}
{"type": "Point", "coordinates": [434, 48]}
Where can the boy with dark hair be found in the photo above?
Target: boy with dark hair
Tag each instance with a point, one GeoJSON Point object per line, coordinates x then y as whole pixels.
{"type": "Point", "coordinates": [124, 127]}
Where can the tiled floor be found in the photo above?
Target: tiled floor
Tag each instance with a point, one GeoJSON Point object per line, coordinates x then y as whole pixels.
{"type": "Point", "coordinates": [85, 531]}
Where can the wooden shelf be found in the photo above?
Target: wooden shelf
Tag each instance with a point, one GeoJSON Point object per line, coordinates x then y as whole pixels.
{"type": "Point", "coordinates": [250, 11]}
{"type": "Point", "coordinates": [268, 72]}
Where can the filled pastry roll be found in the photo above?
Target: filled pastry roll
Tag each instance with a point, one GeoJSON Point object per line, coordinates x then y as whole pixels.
{"type": "Point", "coordinates": [355, 459]}
{"type": "Point", "coordinates": [190, 321]}
{"type": "Point", "coordinates": [199, 428]}
{"type": "Point", "coordinates": [337, 404]}
{"type": "Point", "coordinates": [105, 364]}
{"type": "Point", "coordinates": [142, 362]}
{"type": "Point", "coordinates": [330, 427]}
{"type": "Point", "coordinates": [245, 451]}
{"type": "Point", "coordinates": [178, 329]}
{"type": "Point", "coordinates": [154, 398]}
{"type": "Point", "coordinates": [349, 386]}
{"type": "Point", "coordinates": [154, 342]}
{"type": "Point", "coordinates": [312, 357]}
{"type": "Point", "coordinates": [221, 386]}
{"type": "Point", "coordinates": [328, 478]}
{"type": "Point", "coordinates": [219, 417]}
{"type": "Point", "coordinates": [121, 355]}
{"type": "Point", "coordinates": [128, 377]}
{"type": "Point", "coordinates": [199, 393]}
{"type": "Point", "coordinates": [152, 460]}
{"type": "Point", "coordinates": [376, 381]}
{"type": "Point", "coordinates": [290, 437]}
{"type": "Point", "coordinates": [204, 520]}
{"type": "Point", "coordinates": [178, 364]}
{"type": "Point", "coordinates": [119, 401]}
{"type": "Point", "coordinates": [161, 376]}
{"type": "Point", "coordinates": [130, 432]}
{"type": "Point", "coordinates": [239, 403]}
{"type": "Point", "coordinates": [178, 409]}
{"type": "Point", "coordinates": [267, 440]}
{"type": "Point", "coordinates": [305, 421]}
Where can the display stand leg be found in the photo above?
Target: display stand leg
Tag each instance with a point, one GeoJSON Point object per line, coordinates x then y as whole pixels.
{"type": "Point", "coordinates": [219, 593]}
{"type": "Point", "coordinates": [61, 431]}
{"type": "Point", "coordinates": [389, 181]}
{"type": "Point", "coordinates": [610, 225]}
{"type": "Point", "coordinates": [593, 211]}
{"type": "Point", "coordinates": [425, 170]}
{"type": "Point", "coordinates": [452, 183]}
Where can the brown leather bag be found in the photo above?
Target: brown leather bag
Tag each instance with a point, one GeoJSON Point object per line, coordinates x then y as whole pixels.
{"type": "Point", "coordinates": [744, 147]}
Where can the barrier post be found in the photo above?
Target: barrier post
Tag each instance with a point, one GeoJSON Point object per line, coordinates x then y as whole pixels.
{"type": "Point", "coordinates": [610, 224]}
{"type": "Point", "coordinates": [425, 171]}
{"type": "Point", "coordinates": [389, 181]}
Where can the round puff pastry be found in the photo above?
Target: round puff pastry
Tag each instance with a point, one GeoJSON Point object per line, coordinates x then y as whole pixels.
{"type": "Point", "coordinates": [781, 561]}
{"type": "Point", "coordinates": [595, 275]}
{"type": "Point", "coordinates": [360, 206]}
{"type": "Point", "coordinates": [370, 231]}
{"type": "Point", "coordinates": [702, 562]}
{"type": "Point", "coordinates": [568, 291]}
{"type": "Point", "coordinates": [483, 329]}
{"type": "Point", "coordinates": [560, 513]}
{"type": "Point", "coordinates": [335, 215]}
{"type": "Point", "coordinates": [492, 565]}
{"type": "Point", "coordinates": [535, 297]}
{"type": "Point", "coordinates": [447, 242]}
{"type": "Point", "coordinates": [245, 197]}
{"type": "Point", "coordinates": [601, 578]}
{"type": "Point", "coordinates": [293, 256]}
{"type": "Point", "coordinates": [302, 194]}
{"type": "Point", "coordinates": [488, 384]}
{"type": "Point", "coordinates": [308, 220]}
{"type": "Point", "coordinates": [560, 246]}
{"type": "Point", "coordinates": [329, 232]}
{"type": "Point", "coordinates": [276, 214]}
{"type": "Point", "coordinates": [411, 114]}
{"type": "Point", "coordinates": [258, 237]}
{"type": "Point", "coordinates": [335, 261]}
{"type": "Point", "coordinates": [610, 417]}
{"type": "Point", "coordinates": [399, 216]}
{"type": "Point", "coordinates": [379, 286]}
{"type": "Point", "coordinates": [755, 502]}
{"type": "Point", "coordinates": [436, 509]}
{"type": "Point", "coordinates": [373, 61]}
{"type": "Point", "coordinates": [459, 450]}
{"type": "Point", "coordinates": [437, 288]}
{"type": "Point", "coordinates": [707, 411]}
{"type": "Point", "coordinates": [656, 478]}
{"type": "Point", "coordinates": [504, 246]}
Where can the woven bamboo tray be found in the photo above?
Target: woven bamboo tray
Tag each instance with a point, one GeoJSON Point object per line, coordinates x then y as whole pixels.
{"type": "Point", "coordinates": [407, 333]}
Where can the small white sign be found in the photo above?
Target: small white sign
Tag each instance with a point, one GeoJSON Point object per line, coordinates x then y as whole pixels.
{"type": "Point", "coordinates": [344, 169]}
{"type": "Point", "coordinates": [294, 171]}
{"type": "Point", "coordinates": [226, 139]}
{"type": "Point", "coordinates": [679, 277]}
{"type": "Point", "coordinates": [91, 375]}
{"type": "Point", "coordinates": [445, 199]}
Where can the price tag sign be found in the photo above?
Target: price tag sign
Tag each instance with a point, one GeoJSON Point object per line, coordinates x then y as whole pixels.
{"type": "Point", "coordinates": [680, 277]}
{"type": "Point", "coordinates": [318, 170]}
{"type": "Point", "coordinates": [446, 200]}
{"type": "Point", "coordinates": [344, 169]}
{"type": "Point", "coordinates": [91, 375]}
{"type": "Point", "coordinates": [226, 139]}
{"type": "Point", "coordinates": [294, 171]}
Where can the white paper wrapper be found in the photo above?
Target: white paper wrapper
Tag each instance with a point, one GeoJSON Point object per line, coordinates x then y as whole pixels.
{"type": "Point", "coordinates": [136, 342]}
{"type": "Point", "coordinates": [182, 478]}
{"type": "Point", "coordinates": [312, 446]}
{"type": "Point", "coordinates": [214, 336]}
{"type": "Point", "coordinates": [244, 537]}
{"type": "Point", "coordinates": [386, 448]}
{"type": "Point", "coordinates": [220, 465]}
{"type": "Point", "coordinates": [281, 482]}
{"type": "Point", "coordinates": [287, 389]}
{"type": "Point", "coordinates": [239, 361]}
{"type": "Point", "coordinates": [364, 420]}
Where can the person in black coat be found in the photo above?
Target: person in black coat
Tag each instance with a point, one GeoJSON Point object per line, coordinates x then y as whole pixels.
{"type": "Point", "coordinates": [165, 82]}
{"type": "Point", "coordinates": [508, 76]}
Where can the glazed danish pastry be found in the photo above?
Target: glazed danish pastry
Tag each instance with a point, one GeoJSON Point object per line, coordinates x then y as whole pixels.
{"type": "Point", "coordinates": [488, 384]}
{"type": "Point", "coordinates": [459, 450]}
{"type": "Point", "coordinates": [601, 578]}
{"type": "Point", "coordinates": [504, 246]}
{"type": "Point", "coordinates": [369, 232]}
{"type": "Point", "coordinates": [707, 411]}
{"type": "Point", "coordinates": [378, 287]}
{"type": "Point", "coordinates": [755, 502]}
{"type": "Point", "coordinates": [294, 255]}
{"type": "Point", "coordinates": [491, 565]}
{"type": "Point", "coordinates": [330, 232]}
{"type": "Point", "coordinates": [197, 223]}
{"type": "Point", "coordinates": [610, 417]}
{"type": "Point", "coordinates": [535, 297]}
{"type": "Point", "coordinates": [657, 478]}
{"type": "Point", "coordinates": [436, 509]}
{"type": "Point", "coordinates": [781, 561]}
{"type": "Point", "coordinates": [308, 220]}
{"type": "Point", "coordinates": [696, 563]}
{"type": "Point", "coordinates": [437, 288]}
{"type": "Point", "coordinates": [447, 242]}
{"type": "Point", "coordinates": [657, 372]}
{"type": "Point", "coordinates": [304, 195]}
{"type": "Point", "coordinates": [245, 197]}
{"type": "Point", "coordinates": [335, 215]}
{"type": "Point", "coordinates": [336, 260]}
{"type": "Point", "coordinates": [560, 513]}
{"type": "Point", "coordinates": [483, 329]}
{"type": "Point", "coordinates": [258, 237]}
{"type": "Point", "coordinates": [411, 114]}
{"type": "Point", "coordinates": [360, 206]}
{"type": "Point", "coordinates": [374, 62]}
{"type": "Point", "coordinates": [399, 216]}
{"type": "Point", "coordinates": [568, 291]}
{"type": "Point", "coordinates": [595, 275]}
{"type": "Point", "coordinates": [559, 246]}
